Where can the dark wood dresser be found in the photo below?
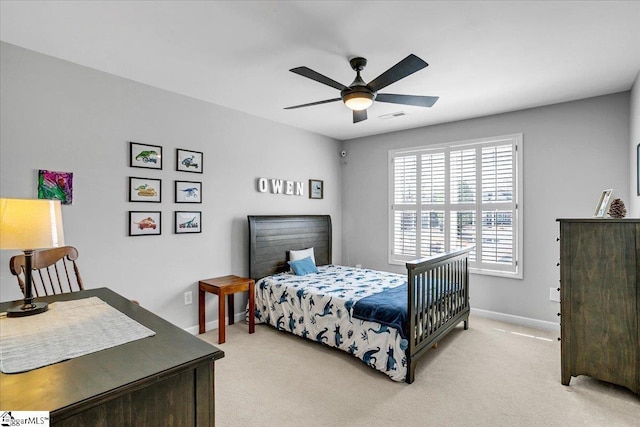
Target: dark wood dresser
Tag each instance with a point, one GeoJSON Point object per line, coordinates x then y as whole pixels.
{"type": "Point", "coordinates": [163, 380]}
{"type": "Point", "coordinates": [600, 300]}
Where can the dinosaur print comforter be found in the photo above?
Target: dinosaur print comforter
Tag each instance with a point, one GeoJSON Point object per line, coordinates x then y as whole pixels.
{"type": "Point", "coordinates": [319, 307]}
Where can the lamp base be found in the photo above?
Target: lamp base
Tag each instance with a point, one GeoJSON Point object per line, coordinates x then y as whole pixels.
{"type": "Point", "coordinates": [28, 309]}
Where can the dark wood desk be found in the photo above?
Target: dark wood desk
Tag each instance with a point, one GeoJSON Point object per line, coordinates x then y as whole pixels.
{"type": "Point", "coordinates": [167, 379]}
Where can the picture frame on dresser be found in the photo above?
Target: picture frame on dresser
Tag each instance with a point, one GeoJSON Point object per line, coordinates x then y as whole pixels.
{"type": "Point", "coordinates": [188, 192]}
{"type": "Point", "coordinates": [603, 203]}
{"type": "Point", "coordinates": [188, 222]}
{"type": "Point", "coordinates": [145, 155]}
{"type": "Point", "coordinates": [145, 189]}
{"type": "Point", "coordinates": [189, 160]}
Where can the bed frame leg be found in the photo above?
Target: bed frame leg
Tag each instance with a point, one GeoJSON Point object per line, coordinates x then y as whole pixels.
{"type": "Point", "coordinates": [466, 324]}
{"type": "Point", "coordinates": [411, 371]}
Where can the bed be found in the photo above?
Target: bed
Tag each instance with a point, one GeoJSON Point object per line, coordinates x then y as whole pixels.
{"type": "Point", "coordinates": [360, 311]}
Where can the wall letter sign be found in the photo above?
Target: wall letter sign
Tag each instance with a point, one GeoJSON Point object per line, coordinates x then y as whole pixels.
{"type": "Point", "coordinates": [280, 186]}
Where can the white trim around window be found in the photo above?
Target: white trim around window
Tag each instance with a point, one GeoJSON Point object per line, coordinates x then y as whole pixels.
{"type": "Point", "coordinates": [466, 193]}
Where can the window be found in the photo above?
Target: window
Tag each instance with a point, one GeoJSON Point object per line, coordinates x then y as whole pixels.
{"type": "Point", "coordinates": [460, 194]}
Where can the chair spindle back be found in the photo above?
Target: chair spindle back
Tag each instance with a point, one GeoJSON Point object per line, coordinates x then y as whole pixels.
{"type": "Point", "coordinates": [54, 271]}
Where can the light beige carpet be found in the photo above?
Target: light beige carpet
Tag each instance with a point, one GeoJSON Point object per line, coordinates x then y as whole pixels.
{"type": "Point", "coordinates": [494, 374]}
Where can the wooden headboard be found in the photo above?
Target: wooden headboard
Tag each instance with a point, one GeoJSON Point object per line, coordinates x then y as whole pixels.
{"type": "Point", "coordinates": [272, 237]}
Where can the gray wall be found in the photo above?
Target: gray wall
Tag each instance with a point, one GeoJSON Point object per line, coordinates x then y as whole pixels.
{"type": "Point", "coordinates": [572, 151]}
{"type": "Point", "coordinates": [60, 116]}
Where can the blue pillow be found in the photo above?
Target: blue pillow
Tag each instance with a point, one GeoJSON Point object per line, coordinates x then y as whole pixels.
{"type": "Point", "coordinates": [303, 266]}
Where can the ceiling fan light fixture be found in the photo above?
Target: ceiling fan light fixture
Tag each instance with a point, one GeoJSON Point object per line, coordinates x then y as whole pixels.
{"type": "Point", "coordinates": [358, 100]}
{"type": "Point", "coordinates": [359, 95]}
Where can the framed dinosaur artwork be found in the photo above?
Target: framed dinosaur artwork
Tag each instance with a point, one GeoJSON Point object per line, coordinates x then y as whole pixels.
{"type": "Point", "coordinates": [145, 223]}
{"type": "Point", "coordinates": [188, 192]}
{"type": "Point", "coordinates": [144, 189]}
{"type": "Point", "coordinates": [145, 156]}
{"type": "Point", "coordinates": [188, 222]}
{"type": "Point", "coordinates": [189, 161]}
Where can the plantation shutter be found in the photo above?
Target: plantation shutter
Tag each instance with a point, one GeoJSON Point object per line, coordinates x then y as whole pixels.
{"type": "Point", "coordinates": [454, 196]}
{"type": "Point", "coordinates": [405, 212]}
{"type": "Point", "coordinates": [433, 193]}
{"type": "Point", "coordinates": [498, 206]}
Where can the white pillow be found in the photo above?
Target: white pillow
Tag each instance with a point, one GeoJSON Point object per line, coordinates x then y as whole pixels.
{"type": "Point", "coordinates": [301, 254]}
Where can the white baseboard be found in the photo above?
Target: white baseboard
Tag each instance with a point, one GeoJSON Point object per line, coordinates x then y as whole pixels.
{"type": "Point", "coordinates": [194, 330]}
{"type": "Point", "coordinates": [517, 320]}
{"type": "Point", "coordinates": [502, 317]}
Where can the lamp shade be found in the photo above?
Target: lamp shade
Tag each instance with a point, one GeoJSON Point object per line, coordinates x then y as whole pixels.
{"type": "Point", "coordinates": [30, 224]}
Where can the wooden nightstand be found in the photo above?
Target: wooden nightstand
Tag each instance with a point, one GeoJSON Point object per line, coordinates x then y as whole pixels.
{"type": "Point", "coordinates": [221, 286]}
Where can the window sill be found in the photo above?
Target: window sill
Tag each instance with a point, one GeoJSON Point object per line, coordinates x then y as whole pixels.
{"type": "Point", "coordinates": [507, 274]}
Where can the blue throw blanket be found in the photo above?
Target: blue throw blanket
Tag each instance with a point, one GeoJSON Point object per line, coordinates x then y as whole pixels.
{"type": "Point", "coordinates": [388, 307]}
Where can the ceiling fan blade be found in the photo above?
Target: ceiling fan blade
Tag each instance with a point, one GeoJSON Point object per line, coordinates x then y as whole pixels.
{"type": "Point", "coordinates": [419, 101]}
{"type": "Point", "coordinates": [314, 75]}
{"type": "Point", "coordinates": [313, 103]}
{"type": "Point", "coordinates": [402, 69]}
{"type": "Point", "coordinates": [359, 115]}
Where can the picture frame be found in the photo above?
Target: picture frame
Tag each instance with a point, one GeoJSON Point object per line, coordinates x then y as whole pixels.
{"type": "Point", "coordinates": [145, 189]}
{"type": "Point", "coordinates": [188, 192]}
{"type": "Point", "coordinates": [145, 156]}
{"type": "Point", "coordinates": [188, 222]}
{"type": "Point", "coordinates": [189, 161]}
{"type": "Point", "coordinates": [145, 223]}
{"type": "Point", "coordinates": [316, 189]}
{"type": "Point", "coordinates": [54, 185]}
{"type": "Point", "coordinates": [603, 203]}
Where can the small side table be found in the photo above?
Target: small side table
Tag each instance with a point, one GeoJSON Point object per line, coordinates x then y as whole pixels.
{"type": "Point", "coordinates": [221, 286]}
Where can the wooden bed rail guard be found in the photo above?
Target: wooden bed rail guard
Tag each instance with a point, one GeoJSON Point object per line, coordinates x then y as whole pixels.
{"type": "Point", "coordinates": [438, 300]}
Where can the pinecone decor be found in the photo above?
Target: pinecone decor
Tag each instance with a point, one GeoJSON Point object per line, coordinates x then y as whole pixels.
{"type": "Point", "coordinates": [617, 209]}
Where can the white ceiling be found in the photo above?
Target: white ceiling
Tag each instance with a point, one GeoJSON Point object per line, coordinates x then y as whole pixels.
{"type": "Point", "coordinates": [485, 57]}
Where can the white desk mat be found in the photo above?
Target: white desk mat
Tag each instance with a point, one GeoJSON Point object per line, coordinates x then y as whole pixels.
{"type": "Point", "coordinates": [68, 329]}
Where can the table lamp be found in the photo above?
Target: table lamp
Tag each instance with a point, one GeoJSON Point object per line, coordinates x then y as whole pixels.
{"type": "Point", "coordinates": [27, 225]}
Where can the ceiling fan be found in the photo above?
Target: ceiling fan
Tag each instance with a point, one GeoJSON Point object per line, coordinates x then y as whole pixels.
{"type": "Point", "coordinates": [360, 95]}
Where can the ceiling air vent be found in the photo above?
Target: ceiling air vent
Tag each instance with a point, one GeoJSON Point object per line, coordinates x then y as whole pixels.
{"type": "Point", "coordinates": [392, 115]}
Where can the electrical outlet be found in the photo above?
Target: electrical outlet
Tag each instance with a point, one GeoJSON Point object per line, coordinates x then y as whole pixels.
{"type": "Point", "coordinates": [187, 298]}
{"type": "Point", "coordinates": [554, 294]}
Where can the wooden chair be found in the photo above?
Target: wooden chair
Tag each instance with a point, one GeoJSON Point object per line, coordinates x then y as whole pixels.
{"type": "Point", "coordinates": [54, 271]}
